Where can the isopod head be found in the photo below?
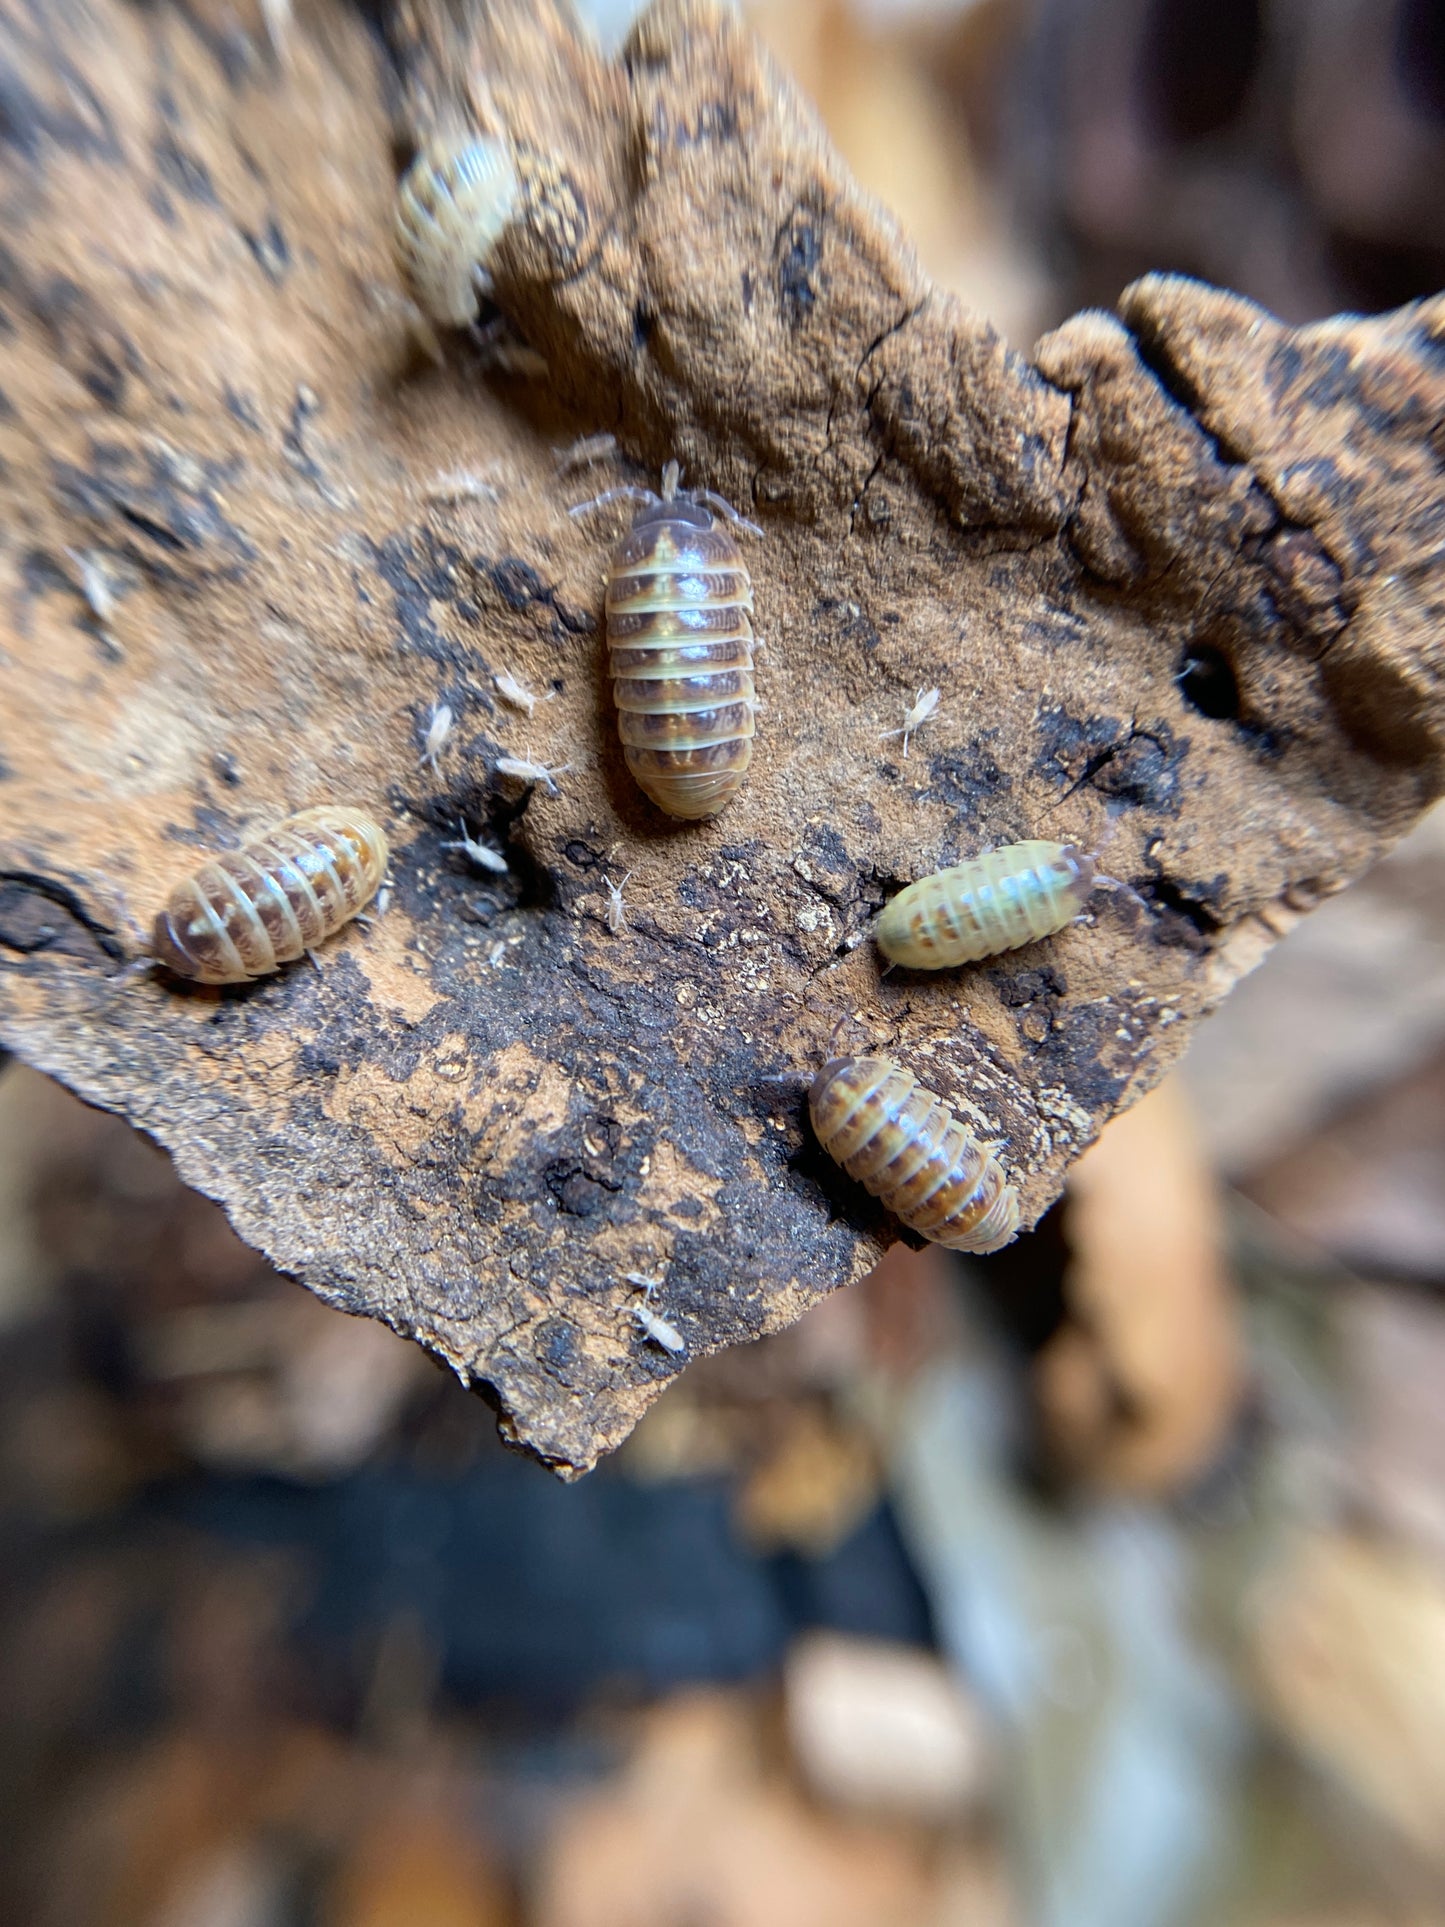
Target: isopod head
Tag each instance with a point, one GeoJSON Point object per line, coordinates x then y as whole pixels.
{"type": "Point", "coordinates": [451, 207]}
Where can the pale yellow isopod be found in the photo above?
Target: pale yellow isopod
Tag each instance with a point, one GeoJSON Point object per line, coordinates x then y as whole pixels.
{"type": "Point", "coordinates": [451, 206]}
{"type": "Point", "coordinates": [992, 903]}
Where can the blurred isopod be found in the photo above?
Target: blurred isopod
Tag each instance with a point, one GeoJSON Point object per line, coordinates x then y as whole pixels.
{"type": "Point", "coordinates": [451, 205]}
{"type": "Point", "coordinates": [995, 902]}
{"type": "Point", "coordinates": [907, 1147]}
{"type": "Point", "coordinates": [246, 912]}
{"type": "Point", "coordinates": [680, 635]}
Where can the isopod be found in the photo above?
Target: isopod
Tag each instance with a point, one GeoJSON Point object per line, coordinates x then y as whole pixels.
{"type": "Point", "coordinates": [995, 902]}
{"type": "Point", "coordinates": [451, 205]}
{"type": "Point", "coordinates": [679, 630]}
{"type": "Point", "coordinates": [246, 912]}
{"type": "Point", "coordinates": [907, 1147]}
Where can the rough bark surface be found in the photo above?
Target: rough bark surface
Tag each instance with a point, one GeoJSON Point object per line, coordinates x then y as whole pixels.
{"type": "Point", "coordinates": [1178, 577]}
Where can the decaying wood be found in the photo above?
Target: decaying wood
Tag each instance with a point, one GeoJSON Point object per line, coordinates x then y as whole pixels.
{"type": "Point", "coordinates": [1178, 579]}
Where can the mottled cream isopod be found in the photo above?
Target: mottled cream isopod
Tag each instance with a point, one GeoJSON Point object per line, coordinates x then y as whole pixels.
{"type": "Point", "coordinates": [996, 902]}
{"type": "Point", "coordinates": [246, 912]}
{"type": "Point", "coordinates": [906, 1146]}
{"type": "Point", "coordinates": [680, 635]}
{"type": "Point", "coordinates": [451, 205]}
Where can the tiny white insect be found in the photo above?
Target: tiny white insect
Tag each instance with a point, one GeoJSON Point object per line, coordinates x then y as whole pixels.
{"type": "Point", "coordinates": [923, 706]}
{"type": "Point", "coordinates": [508, 356]}
{"type": "Point", "coordinates": [615, 914]}
{"type": "Point", "coordinates": [461, 486]}
{"type": "Point", "coordinates": [276, 18]}
{"type": "Point", "coordinates": [94, 583]}
{"type": "Point", "coordinates": [481, 854]}
{"type": "Point", "coordinates": [383, 899]}
{"type": "Point", "coordinates": [526, 771]}
{"type": "Point", "coordinates": [668, 1337]}
{"type": "Point", "coordinates": [438, 729]}
{"type": "Point", "coordinates": [516, 693]}
{"type": "Point", "coordinates": [584, 451]}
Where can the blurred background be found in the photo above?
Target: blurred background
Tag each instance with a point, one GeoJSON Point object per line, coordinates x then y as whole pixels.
{"type": "Point", "coordinates": [1100, 1583]}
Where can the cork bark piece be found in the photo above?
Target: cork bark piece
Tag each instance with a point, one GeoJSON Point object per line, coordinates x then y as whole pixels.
{"type": "Point", "coordinates": [1178, 579]}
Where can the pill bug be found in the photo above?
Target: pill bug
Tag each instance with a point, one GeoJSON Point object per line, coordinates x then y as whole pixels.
{"type": "Point", "coordinates": [995, 902]}
{"type": "Point", "coordinates": [246, 912]}
{"type": "Point", "coordinates": [451, 205]}
{"type": "Point", "coordinates": [907, 1147]}
{"type": "Point", "coordinates": [680, 635]}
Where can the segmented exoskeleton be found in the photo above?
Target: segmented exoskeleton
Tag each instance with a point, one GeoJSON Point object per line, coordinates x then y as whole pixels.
{"type": "Point", "coordinates": [680, 636]}
{"type": "Point", "coordinates": [451, 205]}
{"type": "Point", "coordinates": [909, 1149]}
{"type": "Point", "coordinates": [996, 902]}
{"type": "Point", "coordinates": [246, 912]}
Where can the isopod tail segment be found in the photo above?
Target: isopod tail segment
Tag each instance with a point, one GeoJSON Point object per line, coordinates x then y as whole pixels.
{"type": "Point", "coordinates": [680, 639]}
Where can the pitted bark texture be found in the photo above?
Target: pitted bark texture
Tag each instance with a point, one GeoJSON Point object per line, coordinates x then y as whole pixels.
{"type": "Point", "coordinates": [1178, 577]}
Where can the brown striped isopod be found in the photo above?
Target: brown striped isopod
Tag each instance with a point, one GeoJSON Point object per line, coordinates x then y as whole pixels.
{"type": "Point", "coordinates": [907, 1147]}
{"type": "Point", "coordinates": [680, 636]}
{"type": "Point", "coordinates": [246, 912]}
{"type": "Point", "coordinates": [451, 205]}
{"type": "Point", "coordinates": [994, 902]}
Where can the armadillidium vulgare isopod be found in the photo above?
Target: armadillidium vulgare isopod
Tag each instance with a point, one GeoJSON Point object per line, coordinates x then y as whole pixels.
{"type": "Point", "coordinates": [680, 635]}
{"type": "Point", "coordinates": [451, 205]}
{"type": "Point", "coordinates": [246, 912]}
{"type": "Point", "coordinates": [995, 902]}
{"type": "Point", "coordinates": [907, 1147]}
